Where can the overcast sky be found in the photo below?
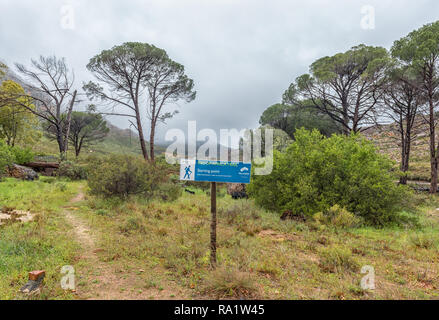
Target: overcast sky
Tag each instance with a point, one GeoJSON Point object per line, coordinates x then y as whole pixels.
{"type": "Point", "coordinates": [242, 54]}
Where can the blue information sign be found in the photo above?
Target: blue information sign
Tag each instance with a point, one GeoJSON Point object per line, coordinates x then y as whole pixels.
{"type": "Point", "coordinates": [215, 171]}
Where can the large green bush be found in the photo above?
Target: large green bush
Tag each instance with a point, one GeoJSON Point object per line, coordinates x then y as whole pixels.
{"type": "Point", "coordinates": [71, 170]}
{"type": "Point", "coordinates": [316, 173]}
{"type": "Point", "coordinates": [121, 176]}
{"type": "Point", "coordinates": [22, 155]}
{"type": "Point", "coordinates": [10, 155]}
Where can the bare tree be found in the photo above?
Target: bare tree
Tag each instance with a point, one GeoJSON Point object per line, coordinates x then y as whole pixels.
{"type": "Point", "coordinates": [49, 83]}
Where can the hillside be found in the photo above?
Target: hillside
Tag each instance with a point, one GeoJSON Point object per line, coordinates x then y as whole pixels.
{"type": "Point", "coordinates": [118, 141]}
{"type": "Point", "coordinates": [386, 138]}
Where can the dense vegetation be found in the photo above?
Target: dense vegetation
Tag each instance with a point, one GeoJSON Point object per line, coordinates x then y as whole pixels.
{"type": "Point", "coordinates": [122, 176]}
{"type": "Point", "coordinates": [316, 173]}
{"type": "Point", "coordinates": [10, 155]}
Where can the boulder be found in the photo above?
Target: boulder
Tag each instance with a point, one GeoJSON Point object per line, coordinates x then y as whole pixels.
{"type": "Point", "coordinates": [21, 172]}
{"type": "Point", "coordinates": [237, 191]}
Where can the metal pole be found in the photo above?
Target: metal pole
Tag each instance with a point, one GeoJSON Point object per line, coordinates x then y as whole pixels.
{"type": "Point", "coordinates": [213, 225]}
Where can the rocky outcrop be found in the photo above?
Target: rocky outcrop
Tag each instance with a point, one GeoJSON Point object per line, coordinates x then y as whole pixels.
{"type": "Point", "coordinates": [21, 172]}
{"type": "Point", "coordinates": [44, 168]}
{"type": "Point", "coordinates": [237, 191]}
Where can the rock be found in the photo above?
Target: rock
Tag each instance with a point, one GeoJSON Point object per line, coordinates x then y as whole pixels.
{"type": "Point", "coordinates": [31, 287]}
{"type": "Point", "coordinates": [237, 191]}
{"type": "Point", "coordinates": [21, 172]}
{"type": "Point", "coordinates": [11, 215]}
{"type": "Point", "coordinates": [37, 275]}
{"type": "Point", "coordinates": [35, 282]}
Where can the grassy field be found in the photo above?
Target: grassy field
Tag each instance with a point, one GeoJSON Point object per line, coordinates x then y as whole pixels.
{"type": "Point", "coordinates": [157, 250]}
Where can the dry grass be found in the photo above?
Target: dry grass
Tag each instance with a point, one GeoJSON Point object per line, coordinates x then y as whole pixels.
{"type": "Point", "coordinates": [160, 250]}
{"type": "Point", "coordinates": [261, 256]}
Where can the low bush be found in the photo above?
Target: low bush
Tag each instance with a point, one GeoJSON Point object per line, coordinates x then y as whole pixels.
{"type": "Point", "coordinates": [168, 192]}
{"type": "Point", "coordinates": [424, 241]}
{"type": "Point", "coordinates": [239, 214]}
{"type": "Point", "coordinates": [10, 155]}
{"type": "Point", "coordinates": [61, 186]}
{"type": "Point", "coordinates": [336, 260]}
{"type": "Point", "coordinates": [230, 283]}
{"type": "Point", "coordinates": [133, 224]}
{"type": "Point", "coordinates": [337, 217]}
{"type": "Point", "coordinates": [49, 180]}
{"type": "Point", "coordinates": [72, 171]}
{"type": "Point", "coordinates": [22, 155]}
{"type": "Point", "coordinates": [315, 173]}
{"type": "Point", "coordinates": [122, 176]}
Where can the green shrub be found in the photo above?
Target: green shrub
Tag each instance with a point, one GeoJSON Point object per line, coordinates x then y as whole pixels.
{"type": "Point", "coordinates": [168, 192]}
{"type": "Point", "coordinates": [49, 180]}
{"type": "Point", "coordinates": [337, 217]}
{"type": "Point", "coordinates": [61, 186]}
{"type": "Point", "coordinates": [133, 224]}
{"type": "Point", "coordinates": [424, 241]}
{"type": "Point", "coordinates": [72, 171]}
{"type": "Point", "coordinates": [122, 176]}
{"type": "Point", "coordinates": [22, 156]}
{"type": "Point", "coordinates": [6, 157]}
{"type": "Point", "coordinates": [316, 173]}
{"type": "Point", "coordinates": [239, 214]}
{"type": "Point", "coordinates": [336, 260]}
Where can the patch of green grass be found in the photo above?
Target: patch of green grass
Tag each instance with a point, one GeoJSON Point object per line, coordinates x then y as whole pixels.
{"type": "Point", "coordinates": [338, 260]}
{"type": "Point", "coordinates": [43, 244]}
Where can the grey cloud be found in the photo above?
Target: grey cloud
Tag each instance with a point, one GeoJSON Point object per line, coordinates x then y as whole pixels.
{"type": "Point", "coordinates": [241, 54]}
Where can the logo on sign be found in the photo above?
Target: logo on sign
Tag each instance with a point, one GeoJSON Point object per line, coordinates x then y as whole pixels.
{"type": "Point", "coordinates": [187, 171]}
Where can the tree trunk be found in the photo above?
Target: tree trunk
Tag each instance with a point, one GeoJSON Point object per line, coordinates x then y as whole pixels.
{"type": "Point", "coordinates": [78, 147]}
{"type": "Point", "coordinates": [404, 166]}
{"type": "Point", "coordinates": [151, 141]}
{"type": "Point", "coordinates": [434, 180]}
{"type": "Point", "coordinates": [141, 136]}
{"type": "Point", "coordinates": [433, 155]}
{"type": "Point", "coordinates": [69, 121]}
{"type": "Point", "coordinates": [60, 140]}
{"type": "Point", "coordinates": [346, 130]}
{"type": "Point", "coordinates": [405, 151]}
